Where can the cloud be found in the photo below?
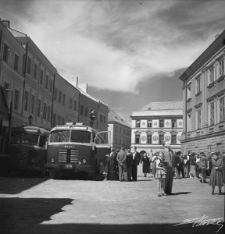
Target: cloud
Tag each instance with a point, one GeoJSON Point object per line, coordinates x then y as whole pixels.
{"type": "Point", "coordinates": [115, 45]}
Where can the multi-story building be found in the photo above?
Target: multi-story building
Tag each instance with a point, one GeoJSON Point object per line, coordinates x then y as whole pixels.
{"type": "Point", "coordinates": [204, 100]}
{"type": "Point", "coordinates": [39, 75]}
{"type": "Point", "coordinates": [120, 131]}
{"type": "Point", "coordinates": [66, 101]}
{"type": "Point", "coordinates": [87, 103]}
{"type": "Point", "coordinates": [155, 124]}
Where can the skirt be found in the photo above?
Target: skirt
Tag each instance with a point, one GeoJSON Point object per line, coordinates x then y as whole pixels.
{"type": "Point", "coordinates": [216, 178]}
{"type": "Point", "coordinates": [160, 174]}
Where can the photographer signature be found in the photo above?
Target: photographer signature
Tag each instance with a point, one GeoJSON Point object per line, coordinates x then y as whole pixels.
{"type": "Point", "coordinates": [203, 222]}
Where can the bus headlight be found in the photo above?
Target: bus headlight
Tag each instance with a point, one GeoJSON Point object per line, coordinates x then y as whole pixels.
{"type": "Point", "coordinates": [33, 160]}
{"type": "Point", "coordinates": [84, 161]}
{"type": "Point", "coordinates": [80, 162]}
{"type": "Point", "coordinates": [52, 160]}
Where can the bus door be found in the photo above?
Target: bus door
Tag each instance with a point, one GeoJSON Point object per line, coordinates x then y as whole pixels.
{"type": "Point", "coordinates": [103, 147]}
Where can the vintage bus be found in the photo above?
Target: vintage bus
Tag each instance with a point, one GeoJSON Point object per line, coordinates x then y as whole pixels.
{"type": "Point", "coordinates": [76, 149]}
{"type": "Point", "coordinates": [28, 149]}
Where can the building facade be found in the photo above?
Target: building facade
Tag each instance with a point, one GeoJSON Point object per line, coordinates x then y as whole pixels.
{"type": "Point", "coordinates": [65, 102]}
{"type": "Point", "coordinates": [204, 100]}
{"type": "Point", "coordinates": [120, 131]}
{"type": "Point", "coordinates": [155, 124]}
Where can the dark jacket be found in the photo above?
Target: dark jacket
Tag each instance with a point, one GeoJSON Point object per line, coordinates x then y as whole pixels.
{"type": "Point", "coordinates": [129, 160]}
{"type": "Point", "coordinates": [137, 158]}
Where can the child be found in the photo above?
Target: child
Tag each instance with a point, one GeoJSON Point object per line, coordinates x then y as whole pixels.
{"type": "Point", "coordinates": [161, 173]}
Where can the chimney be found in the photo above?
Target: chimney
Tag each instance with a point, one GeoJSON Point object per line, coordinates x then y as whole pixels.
{"type": "Point", "coordinates": [77, 82]}
{"type": "Point", "coordinates": [6, 23]}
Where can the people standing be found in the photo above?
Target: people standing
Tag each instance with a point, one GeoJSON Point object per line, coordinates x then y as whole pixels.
{"type": "Point", "coordinates": [129, 164]}
{"type": "Point", "coordinates": [154, 158]}
{"type": "Point", "coordinates": [216, 176]}
{"type": "Point", "coordinates": [136, 160]}
{"type": "Point", "coordinates": [177, 164]}
{"type": "Point", "coordinates": [186, 165]}
{"type": "Point", "coordinates": [122, 164]}
{"type": "Point", "coordinates": [192, 172]}
{"type": "Point", "coordinates": [146, 164]}
{"type": "Point", "coordinates": [161, 173]}
{"type": "Point", "coordinates": [203, 166]}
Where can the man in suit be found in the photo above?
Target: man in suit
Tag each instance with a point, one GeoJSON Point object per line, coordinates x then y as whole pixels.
{"type": "Point", "coordinates": [129, 164]}
{"type": "Point", "coordinates": [122, 164]}
{"type": "Point", "coordinates": [136, 160]}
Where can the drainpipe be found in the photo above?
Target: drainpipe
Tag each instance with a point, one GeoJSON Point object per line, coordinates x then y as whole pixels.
{"type": "Point", "coordinates": [53, 97]}
{"type": "Point", "coordinates": [24, 75]}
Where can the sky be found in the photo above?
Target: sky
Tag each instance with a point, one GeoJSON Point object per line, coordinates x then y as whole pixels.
{"type": "Point", "coordinates": [130, 52]}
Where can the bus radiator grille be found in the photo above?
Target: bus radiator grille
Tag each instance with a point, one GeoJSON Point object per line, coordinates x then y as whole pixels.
{"type": "Point", "coordinates": [68, 156]}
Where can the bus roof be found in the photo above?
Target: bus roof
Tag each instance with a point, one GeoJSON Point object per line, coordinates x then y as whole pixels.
{"type": "Point", "coordinates": [30, 129]}
{"type": "Point", "coordinates": [77, 126]}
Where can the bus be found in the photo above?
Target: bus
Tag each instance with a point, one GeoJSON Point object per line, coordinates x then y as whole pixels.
{"type": "Point", "coordinates": [28, 149]}
{"type": "Point", "coordinates": [77, 149]}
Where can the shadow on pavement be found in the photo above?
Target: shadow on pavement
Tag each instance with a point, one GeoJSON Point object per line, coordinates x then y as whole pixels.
{"type": "Point", "coordinates": [179, 193]}
{"type": "Point", "coordinates": [26, 216]}
{"type": "Point", "coordinates": [9, 185]}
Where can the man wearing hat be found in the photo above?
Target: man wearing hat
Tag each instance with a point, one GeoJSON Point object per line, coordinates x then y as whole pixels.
{"type": "Point", "coordinates": [203, 166]}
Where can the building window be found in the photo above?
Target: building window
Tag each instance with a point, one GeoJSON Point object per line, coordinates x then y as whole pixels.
{"type": "Point", "coordinates": [149, 138]}
{"type": "Point", "coordinates": [199, 118]}
{"type": "Point", "coordinates": [64, 99]}
{"type": "Point", "coordinates": [46, 82]}
{"type": "Point", "coordinates": [16, 99]}
{"type": "Point", "coordinates": [63, 121]}
{"type": "Point", "coordinates": [174, 123]}
{"type": "Point", "coordinates": [189, 126]}
{"type": "Point", "coordinates": [41, 77]}
{"type": "Point", "coordinates": [198, 85]}
{"type": "Point", "coordinates": [53, 120]}
{"type": "Point", "coordinates": [29, 65]}
{"type": "Point", "coordinates": [26, 100]}
{"type": "Point", "coordinates": [71, 103]}
{"type": "Point", "coordinates": [60, 96]}
{"type": "Point", "coordinates": [161, 138]}
{"type": "Point", "coordinates": [6, 53]}
{"type": "Point", "coordinates": [56, 91]}
{"type": "Point", "coordinates": [211, 74]}
{"type": "Point", "coordinates": [161, 123]}
{"type": "Point", "coordinates": [32, 104]}
{"type": "Point", "coordinates": [149, 124]}
{"type": "Point", "coordinates": [49, 113]}
{"type": "Point", "coordinates": [45, 111]}
{"type": "Point", "coordinates": [212, 113]}
{"type": "Point", "coordinates": [86, 111]}
{"type": "Point", "coordinates": [189, 91]}
{"type": "Point", "coordinates": [221, 67]}
{"type": "Point", "coordinates": [75, 106]}
{"type": "Point", "coordinates": [51, 85]}
{"type": "Point", "coordinates": [222, 109]}
{"type": "Point", "coordinates": [137, 138]}
{"type": "Point", "coordinates": [81, 109]}
{"type": "Point", "coordinates": [16, 62]}
{"type": "Point", "coordinates": [58, 120]}
{"type": "Point", "coordinates": [101, 118]}
{"type": "Point", "coordinates": [138, 123]}
{"type": "Point", "coordinates": [35, 71]}
{"type": "Point", "coordinates": [174, 139]}
{"type": "Point", "coordinates": [39, 108]}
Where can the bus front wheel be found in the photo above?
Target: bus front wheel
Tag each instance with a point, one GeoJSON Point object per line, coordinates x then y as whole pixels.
{"type": "Point", "coordinates": [53, 174]}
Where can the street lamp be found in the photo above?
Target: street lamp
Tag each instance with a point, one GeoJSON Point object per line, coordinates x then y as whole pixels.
{"type": "Point", "coordinates": [30, 119]}
{"type": "Point", "coordinates": [92, 117]}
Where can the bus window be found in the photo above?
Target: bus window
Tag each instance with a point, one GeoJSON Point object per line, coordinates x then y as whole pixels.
{"type": "Point", "coordinates": [60, 136]}
{"type": "Point", "coordinates": [42, 141]}
{"type": "Point", "coordinates": [24, 138]}
{"type": "Point", "coordinates": [80, 136]}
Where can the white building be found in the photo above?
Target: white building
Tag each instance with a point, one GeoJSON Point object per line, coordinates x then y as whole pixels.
{"type": "Point", "coordinates": [156, 123]}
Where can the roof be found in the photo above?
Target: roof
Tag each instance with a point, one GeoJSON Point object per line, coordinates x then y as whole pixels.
{"type": "Point", "coordinates": [174, 105]}
{"type": "Point", "coordinates": [215, 46]}
{"type": "Point", "coordinates": [114, 117]}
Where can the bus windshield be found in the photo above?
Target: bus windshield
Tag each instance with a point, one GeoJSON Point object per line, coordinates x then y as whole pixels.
{"type": "Point", "coordinates": [24, 138]}
{"type": "Point", "coordinates": [78, 136]}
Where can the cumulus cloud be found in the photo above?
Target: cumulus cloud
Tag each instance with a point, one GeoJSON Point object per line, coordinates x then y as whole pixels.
{"type": "Point", "coordinates": [115, 45]}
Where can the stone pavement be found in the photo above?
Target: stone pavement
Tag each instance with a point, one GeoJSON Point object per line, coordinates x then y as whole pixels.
{"type": "Point", "coordinates": [43, 205]}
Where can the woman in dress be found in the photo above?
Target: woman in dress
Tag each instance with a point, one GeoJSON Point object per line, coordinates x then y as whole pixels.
{"type": "Point", "coordinates": [161, 173]}
{"type": "Point", "coordinates": [146, 164]}
{"type": "Point", "coordinates": [216, 176]}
